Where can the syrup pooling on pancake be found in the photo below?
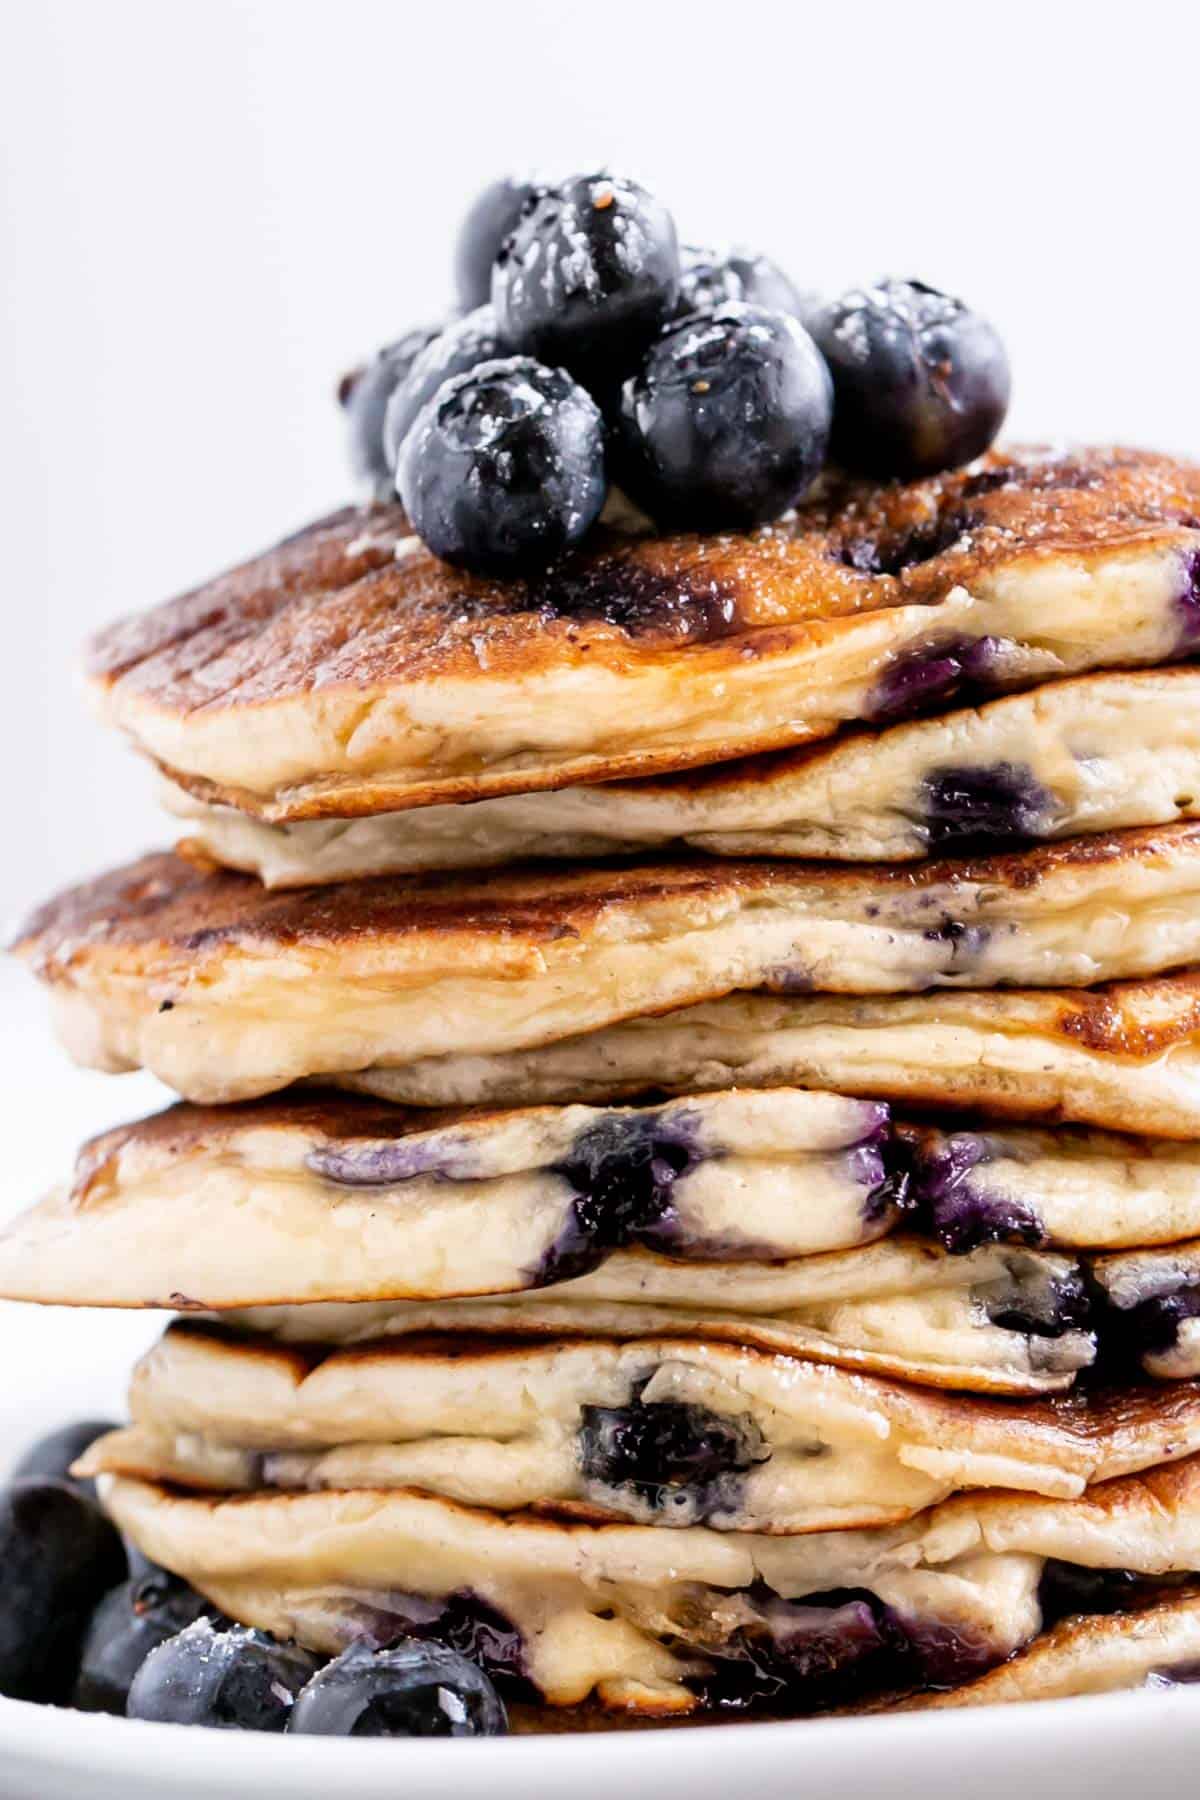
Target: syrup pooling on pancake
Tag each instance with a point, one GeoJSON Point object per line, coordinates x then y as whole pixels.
{"type": "Point", "coordinates": [1100, 753]}
{"type": "Point", "coordinates": [349, 672]}
{"type": "Point", "coordinates": [225, 990]}
{"type": "Point", "coordinates": [665, 1621]}
{"type": "Point", "coordinates": [670, 1431]}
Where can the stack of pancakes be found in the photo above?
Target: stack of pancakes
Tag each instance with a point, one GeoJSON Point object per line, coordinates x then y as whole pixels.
{"type": "Point", "coordinates": [688, 1180]}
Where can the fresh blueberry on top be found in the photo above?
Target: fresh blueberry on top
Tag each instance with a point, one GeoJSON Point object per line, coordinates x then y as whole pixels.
{"type": "Point", "coordinates": [461, 347]}
{"type": "Point", "coordinates": [410, 1689]}
{"type": "Point", "coordinates": [50, 1459]}
{"type": "Point", "coordinates": [707, 279]}
{"type": "Point", "coordinates": [921, 383]}
{"type": "Point", "coordinates": [728, 421]}
{"type": "Point", "coordinates": [504, 468]}
{"type": "Point", "coordinates": [366, 400]}
{"type": "Point", "coordinates": [710, 278]}
{"type": "Point", "coordinates": [491, 218]}
{"type": "Point", "coordinates": [128, 1624]}
{"type": "Point", "coordinates": [765, 284]}
{"type": "Point", "coordinates": [588, 276]}
{"type": "Point", "coordinates": [58, 1555]}
{"type": "Point", "coordinates": [237, 1680]}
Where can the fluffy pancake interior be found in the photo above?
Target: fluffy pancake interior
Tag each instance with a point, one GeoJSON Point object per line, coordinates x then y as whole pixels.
{"type": "Point", "coordinates": [1096, 754]}
{"type": "Point", "coordinates": [652, 1620]}
{"type": "Point", "coordinates": [159, 967]}
{"type": "Point", "coordinates": [1126, 1056]}
{"type": "Point", "coordinates": [770, 1442]}
{"type": "Point", "coordinates": [333, 1199]}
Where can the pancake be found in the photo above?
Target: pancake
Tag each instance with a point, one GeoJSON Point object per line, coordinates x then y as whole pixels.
{"type": "Point", "coordinates": [1096, 754]}
{"type": "Point", "coordinates": [669, 1431]}
{"type": "Point", "coordinates": [1102, 1654]}
{"type": "Point", "coordinates": [226, 991]}
{"type": "Point", "coordinates": [1152, 1299]}
{"type": "Point", "coordinates": [348, 671]}
{"type": "Point", "coordinates": [671, 1622]}
{"type": "Point", "coordinates": [318, 1198]}
{"type": "Point", "coordinates": [1124, 1055]}
{"type": "Point", "coordinates": [996, 1321]}
{"type": "Point", "coordinates": [1155, 1649]}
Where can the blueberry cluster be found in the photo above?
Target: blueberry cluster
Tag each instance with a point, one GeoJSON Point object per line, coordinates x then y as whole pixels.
{"type": "Point", "coordinates": [592, 349]}
{"type": "Point", "coordinates": [84, 1622]}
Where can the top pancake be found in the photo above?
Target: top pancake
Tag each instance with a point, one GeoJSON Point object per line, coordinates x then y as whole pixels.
{"type": "Point", "coordinates": [348, 671]}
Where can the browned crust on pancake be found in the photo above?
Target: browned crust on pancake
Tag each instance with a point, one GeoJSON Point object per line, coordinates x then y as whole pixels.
{"type": "Point", "coordinates": [368, 619]}
{"type": "Point", "coordinates": [331, 608]}
{"type": "Point", "coordinates": [164, 904]}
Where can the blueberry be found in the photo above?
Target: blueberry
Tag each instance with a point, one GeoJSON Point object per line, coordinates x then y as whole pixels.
{"type": "Point", "coordinates": [128, 1624]}
{"type": "Point", "coordinates": [410, 1689]}
{"type": "Point", "coordinates": [1069, 1589]}
{"type": "Point", "coordinates": [504, 468]}
{"type": "Point", "coordinates": [710, 278]}
{"type": "Point", "coordinates": [623, 1173]}
{"type": "Point", "coordinates": [667, 1451]}
{"type": "Point", "coordinates": [51, 1457]}
{"type": "Point", "coordinates": [366, 397]}
{"type": "Point", "coordinates": [765, 284]}
{"type": "Point", "coordinates": [707, 279]}
{"type": "Point", "coordinates": [492, 217]}
{"type": "Point", "coordinates": [984, 803]}
{"type": "Point", "coordinates": [461, 347]}
{"type": "Point", "coordinates": [58, 1555]}
{"type": "Point", "coordinates": [588, 276]}
{"type": "Point", "coordinates": [237, 1680]}
{"type": "Point", "coordinates": [728, 421]}
{"type": "Point", "coordinates": [921, 383]}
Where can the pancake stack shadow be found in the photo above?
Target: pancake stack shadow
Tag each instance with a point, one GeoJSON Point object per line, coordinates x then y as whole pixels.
{"type": "Point", "coordinates": [687, 1180]}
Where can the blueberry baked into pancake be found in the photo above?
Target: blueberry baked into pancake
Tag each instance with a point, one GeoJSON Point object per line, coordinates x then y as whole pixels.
{"type": "Point", "coordinates": [681, 971]}
{"type": "Point", "coordinates": [668, 1622]}
{"type": "Point", "coordinates": [1090, 755]}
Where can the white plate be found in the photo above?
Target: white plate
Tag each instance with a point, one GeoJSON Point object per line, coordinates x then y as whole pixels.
{"type": "Point", "coordinates": [1123, 1745]}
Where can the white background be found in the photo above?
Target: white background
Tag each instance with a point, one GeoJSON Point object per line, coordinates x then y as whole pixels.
{"type": "Point", "coordinates": [207, 211]}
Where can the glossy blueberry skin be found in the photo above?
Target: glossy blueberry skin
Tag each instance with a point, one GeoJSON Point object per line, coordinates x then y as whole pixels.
{"type": "Point", "coordinates": [235, 1680]}
{"type": "Point", "coordinates": [765, 284]}
{"type": "Point", "coordinates": [493, 215]}
{"type": "Point", "coordinates": [711, 278]}
{"type": "Point", "coordinates": [128, 1624]}
{"type": "Point", "coordinates": [707, 279]}
{"type": "Point", "coordinates": [921, 382]}
{"type": "Point", "coordinates": [366, 402]}
{"type": "Point", "coordinates": [409, 1689]}
{"type": "Point", "coordinates": [728, 422]}
{"type": "Point", "coordinates": [461, 347]}
{"type": "Point", "coordinates": [588, 277]}
{"type": "Point", "coordinates": [504, 468]}
{"type": "Point", "coordinates": [51, 1457]}
{"type": "Point", "coordinates": [58, 1555]}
